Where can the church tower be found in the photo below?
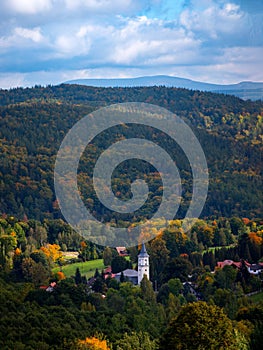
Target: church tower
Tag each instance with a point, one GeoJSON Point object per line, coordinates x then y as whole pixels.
{"type": "Point", "coordinates": [143, 264]}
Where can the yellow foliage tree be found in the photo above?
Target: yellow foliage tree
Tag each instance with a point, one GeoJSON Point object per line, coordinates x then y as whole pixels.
{"type": "Point", "coordinates": [52, 252]}
{"type": "Point", "coordinates": [93, 344]}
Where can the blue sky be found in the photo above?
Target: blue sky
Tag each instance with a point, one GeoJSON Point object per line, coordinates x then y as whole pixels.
{"type": "Point", "coordinates": [51, 41]}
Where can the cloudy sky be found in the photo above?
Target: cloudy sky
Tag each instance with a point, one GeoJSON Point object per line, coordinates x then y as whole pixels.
{"type": "Point", "coordinates": [51, 41]}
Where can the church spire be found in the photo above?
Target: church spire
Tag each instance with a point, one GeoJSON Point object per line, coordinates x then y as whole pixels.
{"type": "Point", "coordinates": [143, 252]}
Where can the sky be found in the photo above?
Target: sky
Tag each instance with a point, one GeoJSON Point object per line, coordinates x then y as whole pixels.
{"type": "Point", "coordinates": [51, 41]}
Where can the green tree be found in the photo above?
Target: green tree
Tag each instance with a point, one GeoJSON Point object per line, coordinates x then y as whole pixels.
{"type": "Point", "coordinates": [7, 245]}
{"type": "Point", "coordinates": [27, 268]}
{"type": "Point", "coordinates": [175, 286]}
{"type": "Point", "coordinates": [173, 306]}
{"type": "Point", "coordinates": [226, 277]}
{"type": "Point", "coordinates": [136, 341]}
{"type": "Point", "coordinates": [199, 326]}
{"type": "Point", "coordinates": [177, 268]}
{"type": "Point", "coordinates": [243, 247]}
{"type": "Point", "coordinates": [118, 264]}
{"type": "Point", "coordinates": [107, 256]}
{"type": "Point", "coordinates": [78, 278]}
{"type": "Point", "coordinates": [237, 226]}
{"type": "Point", "coordinates": [147, 290]}
{"type": "Point", "coordinates": [40, 274]}
{"type": "Point", "coordinates": [159, 256]}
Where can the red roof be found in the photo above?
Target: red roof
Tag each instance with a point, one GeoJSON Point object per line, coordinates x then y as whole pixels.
{"type": "Point", "coordinates": [122, 251]}
{"type": "Point", "coordinates": [222, 264]}
{"type": "Point", "coordinates": [107, 270]}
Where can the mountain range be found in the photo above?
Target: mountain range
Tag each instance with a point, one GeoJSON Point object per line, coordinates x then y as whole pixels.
{"type": "Point", "coordinates": [245, 90]}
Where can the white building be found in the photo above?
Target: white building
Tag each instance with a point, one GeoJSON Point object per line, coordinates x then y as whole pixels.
{"type": "Point", "coordinates": [143, 264]}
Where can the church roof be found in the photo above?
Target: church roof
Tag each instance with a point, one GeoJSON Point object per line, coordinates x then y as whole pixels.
{"type": "Point", "coordinates": [128, 273]}
{"type": "Point", "coordinates": [143, 252]}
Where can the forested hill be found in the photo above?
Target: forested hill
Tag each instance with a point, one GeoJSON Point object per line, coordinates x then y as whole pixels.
{"type": "Point", "coordinates": [34, 121]}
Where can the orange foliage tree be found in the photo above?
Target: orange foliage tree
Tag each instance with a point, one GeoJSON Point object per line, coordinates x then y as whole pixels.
{"type": "Point", "coordinates": [93, 344]}
{"type": "Point", "coordinates": [60, 275]}
{"type": "Point", "coordinates": [256, 237]}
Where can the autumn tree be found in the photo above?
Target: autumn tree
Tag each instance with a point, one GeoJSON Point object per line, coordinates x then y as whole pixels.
{"type": "Point", "coordinates": [92, 344]}
{"type": "Point", "coordinates": [52, 252]}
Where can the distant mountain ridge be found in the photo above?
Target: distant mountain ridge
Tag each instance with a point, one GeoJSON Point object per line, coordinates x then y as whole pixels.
{"type": "Point", "coordinates": [245, 90]}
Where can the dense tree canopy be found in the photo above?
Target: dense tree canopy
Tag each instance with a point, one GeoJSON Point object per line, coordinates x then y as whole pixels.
{"type": "Point", "coordinates": [41, 309]}
{"type": "Point", "coordinates": [199, 326]}
{"type": "Point", "coordinates": [34, 121]}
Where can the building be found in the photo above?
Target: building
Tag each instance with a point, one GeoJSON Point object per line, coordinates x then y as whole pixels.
{"type": "Point", "coordinates": [129, 274]}
{"type": "Point", "coordinates": [122, 251]}
{"type": "Point", "coordinates": [143, 264]}
{"type": "Point", "coordinates": [254, 269]}
{"type": "Point", "coordinates": [132, 275]}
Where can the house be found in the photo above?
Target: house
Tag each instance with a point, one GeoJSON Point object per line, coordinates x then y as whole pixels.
{"type": "Point", "coordinates": [122, 251]}
{"type": "Point", "coordinates": [222, 264]}
{"type": "Point", "coordinates": [49, 288]}
{"type": "Point", "coordinates": [107, 273]}
{"type": "Point", "coordinates": [255, 269]}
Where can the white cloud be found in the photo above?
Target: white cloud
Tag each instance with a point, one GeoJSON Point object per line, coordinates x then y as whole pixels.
{"type": "Point", "coordinates": [71, 45]}
{"type": "Point", "coordinates": [211, 39]}
{"type": "Point", "coordinates": [213, 20]}
{"type": "Point", "coordinates": [23, 38]}
{"type": "Point", "coordinates": [143, 41]}
{"type": "Point", "coordinates": [243, 55]}
{"type": "Point", "coordinates": [91, 4]}
{"type": "Point", "coordinates": [29, 6]}
{"type": "Point", "coordinates": [32, 34]}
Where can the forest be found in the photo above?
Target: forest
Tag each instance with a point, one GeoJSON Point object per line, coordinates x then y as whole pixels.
{"type": "Point", "coordinates": [34, 121]}
{"type": "Point", "coordinates": [42, 308]}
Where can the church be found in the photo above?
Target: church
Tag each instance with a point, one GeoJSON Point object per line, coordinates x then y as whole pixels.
{"type": "Point", "coordinates": [143, 268]}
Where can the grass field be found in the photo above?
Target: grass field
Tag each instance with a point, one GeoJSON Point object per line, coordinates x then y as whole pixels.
{"type": "Point", "coordinates": [256, 298]}
{"type": "Point", "coordinates": [87, 268]}
{"type": "Point", "coordinates": [212, 249]}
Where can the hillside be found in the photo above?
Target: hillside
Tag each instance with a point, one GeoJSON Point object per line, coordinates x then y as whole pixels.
{"type": "Point", "coordinates": [34, 121]}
